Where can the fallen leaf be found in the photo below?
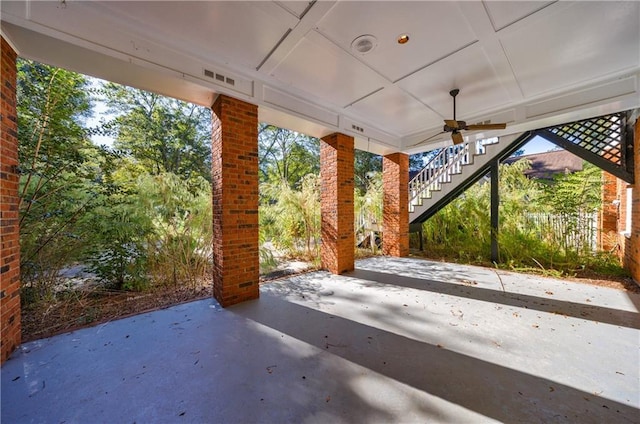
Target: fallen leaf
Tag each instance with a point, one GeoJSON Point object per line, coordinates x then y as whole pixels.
{"type": "Point", "coordinates": [328, 399]}
{"type": "Point", "coordinates": [551, 389]}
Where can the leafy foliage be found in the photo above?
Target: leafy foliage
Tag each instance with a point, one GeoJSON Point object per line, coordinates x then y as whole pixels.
{"type": "Point", "coordinates": [366, 165]}
{"type": "Point", "coordinates": [162, 134]}
{"type": "Point", "coordinates": [368, 211]}
{"type": "Point", "coordinates": [138, 215]}
{"type": "Point", "coordinates": [292, 221]}
{"type": "Point", "coordinates": [286, 156]}
{"type": "Point", "coordinates": [60, 170]}
{"type": "Point", "coordinates": [461, 231]}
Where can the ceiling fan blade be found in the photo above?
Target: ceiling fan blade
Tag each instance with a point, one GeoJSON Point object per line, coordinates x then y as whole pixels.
{"type": "Point", "coordinates": [427, 139]}
{"type": "Point", "coordinates": [451, 123]}
{"type": "Point", "coordinates": [480, 127]}
{"type": "Point", "coordinates": [457, 138]}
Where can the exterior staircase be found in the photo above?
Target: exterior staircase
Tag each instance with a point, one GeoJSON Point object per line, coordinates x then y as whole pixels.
{"type": "Point", "coordinates": [605, 141]}
{"type": "Point", "coordinates": [452, 171]}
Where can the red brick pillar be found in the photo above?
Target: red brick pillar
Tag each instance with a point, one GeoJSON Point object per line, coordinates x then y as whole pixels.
{"type": "Point", "coordinates": [608, 225]}
{"type": "Point", "coordinates": [236, 261]}
{"type": "Point", "coordinates": [632, 245]}
{"type": "Point", "coordinates": [9, 201]}
{"type": "Point", "coordinates": [336, 205]}
{"type": "Point", "coordinates": [395, 212]}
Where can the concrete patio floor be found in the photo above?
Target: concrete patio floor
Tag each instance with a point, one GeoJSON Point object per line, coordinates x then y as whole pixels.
{"type": "Point", "coordinates": [397, 340]}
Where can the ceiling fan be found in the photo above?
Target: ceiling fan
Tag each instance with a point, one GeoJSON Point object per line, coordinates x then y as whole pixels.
{"type": "Point", "coordinates": [454, 126]}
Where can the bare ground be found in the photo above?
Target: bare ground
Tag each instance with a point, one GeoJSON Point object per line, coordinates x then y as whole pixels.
{"type": "Point", "coordinates": [86, 307]}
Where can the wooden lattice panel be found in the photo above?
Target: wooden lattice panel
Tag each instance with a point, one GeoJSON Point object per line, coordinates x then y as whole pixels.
{"type": "Point", "coordinates": [601, 136]}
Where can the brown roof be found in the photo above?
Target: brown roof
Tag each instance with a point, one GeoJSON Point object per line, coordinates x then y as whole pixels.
{"type": "Point", "coordinates": [546, 165]}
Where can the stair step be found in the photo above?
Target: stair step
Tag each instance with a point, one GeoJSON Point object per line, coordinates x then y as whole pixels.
{"type": "Point", "coordinates": [461, 164]}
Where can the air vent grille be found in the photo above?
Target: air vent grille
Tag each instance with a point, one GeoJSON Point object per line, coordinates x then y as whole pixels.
{"type": "Point", "coordinates": [219, 77]}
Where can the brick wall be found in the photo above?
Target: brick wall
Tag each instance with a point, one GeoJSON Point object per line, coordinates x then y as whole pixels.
{"type": "Point", "coordinates": [336, 205]}
{"type": "Point", "coordinates": [236, 268]}
{"type": "Point", "coordinates": [9, 201]}
{"type": "Point", "coordinates": [395, 178]}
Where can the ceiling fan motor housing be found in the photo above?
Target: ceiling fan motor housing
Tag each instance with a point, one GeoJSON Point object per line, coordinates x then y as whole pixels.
{"type": "Point", "coordinates": [461, 126]}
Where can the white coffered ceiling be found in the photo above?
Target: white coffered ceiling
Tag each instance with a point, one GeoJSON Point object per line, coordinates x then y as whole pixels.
{"type": "Point", "coordinates": [527, 63]}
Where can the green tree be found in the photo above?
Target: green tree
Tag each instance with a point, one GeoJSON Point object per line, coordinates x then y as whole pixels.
{"type": "Point", "coordinates": [573, 197]}
{"type": "Point", "coordinates": [162, 134]}
{"type": "Point", "coordinates": [366, 165]}
{"type": "Point", "coordinates": [60, 170]}
{"type": "Point", "coordinates": [286, 155]}
{"type": "Point", "coordinates": [574, 192]}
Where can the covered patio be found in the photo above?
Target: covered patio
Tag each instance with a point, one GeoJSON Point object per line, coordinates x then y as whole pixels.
{"type": "Point", "coordinates": [389, 339]}
{"type": "Point", "coordinates": [395, 340]}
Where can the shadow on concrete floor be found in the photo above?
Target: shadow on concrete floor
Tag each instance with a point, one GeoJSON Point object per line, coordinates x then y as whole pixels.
{"type": "Point", "coordinates": [397, 340]}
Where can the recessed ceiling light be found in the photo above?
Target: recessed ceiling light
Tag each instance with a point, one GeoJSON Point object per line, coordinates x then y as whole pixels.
{"type": "Point", "coordinates": [403, 39]}
{"type": "Point", "coordinates": [364, 44]}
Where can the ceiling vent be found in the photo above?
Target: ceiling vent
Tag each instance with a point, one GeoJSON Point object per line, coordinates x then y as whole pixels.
{"type": "Point", "coordinates": [219, 77]}
{"type": "Point", "coordinates": [364, 44]}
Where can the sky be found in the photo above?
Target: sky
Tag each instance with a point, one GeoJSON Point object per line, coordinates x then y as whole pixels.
{"type": "Point", "coordinates": [538, 145]}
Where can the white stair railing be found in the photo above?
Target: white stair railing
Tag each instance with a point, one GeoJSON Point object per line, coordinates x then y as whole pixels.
{"type": "Point", "coordinates": [449, 161]}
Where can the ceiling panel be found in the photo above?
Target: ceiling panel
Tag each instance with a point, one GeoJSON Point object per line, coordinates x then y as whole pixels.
{"type": "Point", "coordinates": [534, 59]}
{"type": "Point", "coordinates": [436, 29]}
{"type": "Point", "coordinates": [471, 72]}
{"type": "Point", "coordinates": [296, 8]}
{"type": "Point", "coordinates": [396, 111]}
{"type": "Point", "coordinates": [580, 43]}
{"type": "Point", "coordinates": [240, 32]}
{"type": "Point", "coordinates": [504, 13]}
{"type": "Point", "coordinates": [318, 67]}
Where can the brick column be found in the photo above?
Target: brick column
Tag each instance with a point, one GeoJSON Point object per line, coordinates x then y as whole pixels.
{"type": "Point", "coordinates": [336, 205]}
{"type": "Point", "coordinates": [632, 245]}
{"type": "Point", "coordinates": [9, 201]}
{"type": "Point", "coordinates": [395, 212]}
{"type": "Point", "coordinates": [236, 267]}
{"type": "Point", "coordinates": [608, 225]}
